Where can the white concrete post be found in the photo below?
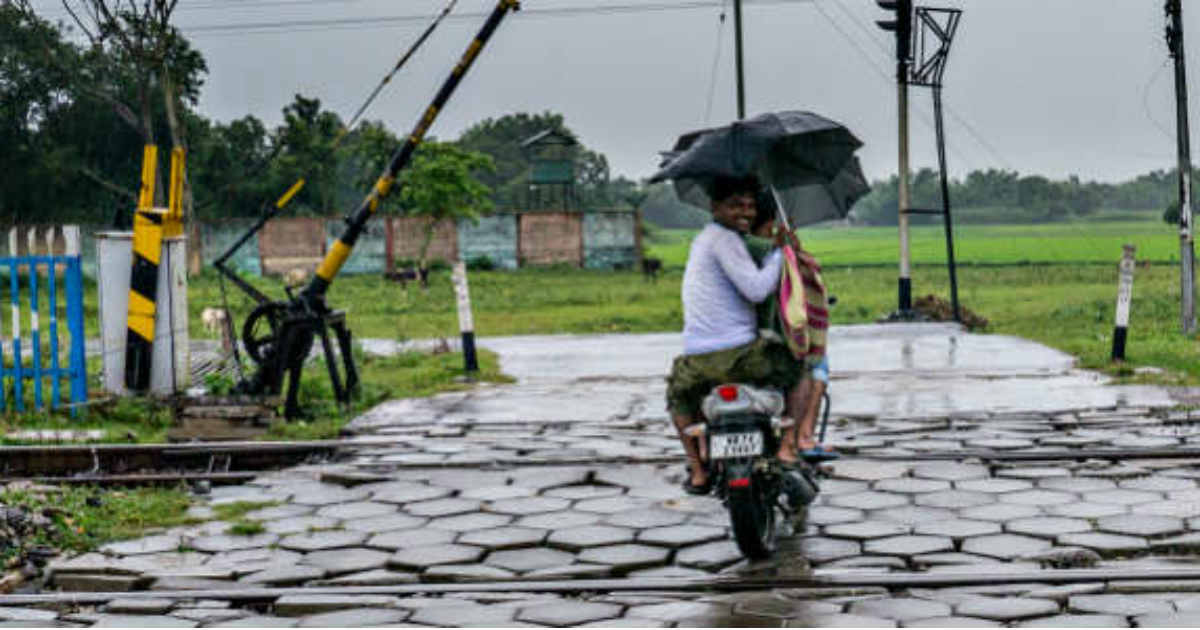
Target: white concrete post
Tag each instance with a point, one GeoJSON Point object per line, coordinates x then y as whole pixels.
{"type": "Point", "coordinates": [466, 324]}
{"type": "Point", "coordinates": [1124, 296]}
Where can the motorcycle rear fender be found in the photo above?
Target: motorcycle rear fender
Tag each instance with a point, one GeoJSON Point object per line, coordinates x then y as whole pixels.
{"type": "Point", "coordinates": [739, 473]}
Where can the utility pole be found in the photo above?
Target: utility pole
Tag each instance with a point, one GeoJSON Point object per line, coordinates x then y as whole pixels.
{"type": "Point", "coordinates": [741, 77]}
{"type": "Point", "coordinates": [1187, 258]}
{"type": "Point", "coordinates": [902, 27]}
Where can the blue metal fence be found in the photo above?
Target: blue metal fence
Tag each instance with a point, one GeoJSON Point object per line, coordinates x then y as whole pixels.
{"type": "Point", "coordinates": [39, 288]}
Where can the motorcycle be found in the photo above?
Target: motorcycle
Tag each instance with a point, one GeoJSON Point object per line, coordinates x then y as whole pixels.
{"type": "Point", "coordinates": [743, 429]}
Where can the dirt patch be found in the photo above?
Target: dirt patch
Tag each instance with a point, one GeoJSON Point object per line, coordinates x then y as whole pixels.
{"type": "Point", "coordinates": [936, 309]}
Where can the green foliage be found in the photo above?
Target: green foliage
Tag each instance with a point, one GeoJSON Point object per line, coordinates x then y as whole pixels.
{"type": "Point", "coordinates": [40, 103]}
{"type": "Point", "coordinates": [306, 151]}
{"type": "Point", "coordinates": [662, 208]}
{"type": "Point", "coordinates": [219, 383]}
{"type": "Point", "coordinates": [121, 420]}
{"type": "Point", "coordinates": [441, 185]}
{"type": "Point", "coordinates": [1068, 242]}
{"type": "Point", "coordinates": [999, 197]}
{"type": "Point", "coordinates": [84, 517]}
{"type": "Point", "coordinates": [237, 510]}
{"type": "Point", "coordinates": [1171, 214]}
{"type": "Point", "coordinates": [245, 528]}
{"type": "Point", "coordinates": [1066, 305]}
{"type": "Point", "coordinates": [501, 138]}
{"type": "Point", "coordinates": [481, 263]}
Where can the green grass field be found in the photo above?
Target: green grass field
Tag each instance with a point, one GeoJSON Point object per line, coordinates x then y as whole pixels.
{"type": "Point", "coordinates": [1090, 242]}
{"type": "Point", "coordinates": [1055, 284]}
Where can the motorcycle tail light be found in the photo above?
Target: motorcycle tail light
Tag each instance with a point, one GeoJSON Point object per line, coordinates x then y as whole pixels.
{"type": "Point", "coordinates": [744, 482]}
{"type": "Point", "coordinates": [728, 393]}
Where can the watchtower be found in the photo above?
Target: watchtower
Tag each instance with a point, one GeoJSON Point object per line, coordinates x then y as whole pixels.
{"type": "Point", "coordinates": [552, 180]}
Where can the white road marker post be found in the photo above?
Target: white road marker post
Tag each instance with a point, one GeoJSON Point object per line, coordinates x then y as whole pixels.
{"type": "Point", "coordinates": [466, 323]}
{"type": "Point", "coordinates": [1124, 296]}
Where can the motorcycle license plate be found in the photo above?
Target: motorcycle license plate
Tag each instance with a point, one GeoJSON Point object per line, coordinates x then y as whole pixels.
{"type": "Point", "coordinates": [729, 445]}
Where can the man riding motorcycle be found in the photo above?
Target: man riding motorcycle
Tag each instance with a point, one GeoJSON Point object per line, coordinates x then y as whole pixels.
{"type": "Point", "coordinates": [721, 343]}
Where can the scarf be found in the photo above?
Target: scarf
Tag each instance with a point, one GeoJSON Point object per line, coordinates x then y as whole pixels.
{"type": "Point", "coordinates": [803, 304]}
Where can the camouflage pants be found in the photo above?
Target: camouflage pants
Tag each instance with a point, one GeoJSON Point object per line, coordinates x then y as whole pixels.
{"type": "Point", "coordinates": [761, 362]}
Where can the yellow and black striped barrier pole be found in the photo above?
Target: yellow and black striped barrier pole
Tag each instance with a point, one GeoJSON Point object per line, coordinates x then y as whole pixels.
{"type": "Point", "coordinates": [150, 225]}
{"type": "Point", "coordinates": [314, 293]}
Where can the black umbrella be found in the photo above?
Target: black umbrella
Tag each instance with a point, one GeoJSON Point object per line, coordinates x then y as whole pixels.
{"type": "Point", "coordinates": [808, 160]}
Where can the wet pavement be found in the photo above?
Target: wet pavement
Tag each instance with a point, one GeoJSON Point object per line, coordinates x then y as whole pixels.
{"type": "Point", "coordinates": [573, 472]}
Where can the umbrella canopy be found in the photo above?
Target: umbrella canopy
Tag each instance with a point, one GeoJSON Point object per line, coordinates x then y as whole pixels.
{"type": "Point", "coordinates": [807, 159]}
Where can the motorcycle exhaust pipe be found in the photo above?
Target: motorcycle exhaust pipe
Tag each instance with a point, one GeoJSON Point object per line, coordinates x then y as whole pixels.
{"type": "Point", "coordinates": [800, 487]}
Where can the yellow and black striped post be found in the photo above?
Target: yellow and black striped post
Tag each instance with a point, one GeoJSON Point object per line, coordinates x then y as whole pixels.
{"type": "Point", "coordinates": [173, 223]}
{"type": "Point", "coordinates": [342, 247]}
{"type": "Point", "coordinates": [150, 225]}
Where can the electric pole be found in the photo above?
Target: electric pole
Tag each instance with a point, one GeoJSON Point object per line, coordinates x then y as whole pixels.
{"type": "Point", "coordinates": [737, 46]}
{"type": "Point", "coordinates": [902, 27]}
{"type": "Point", "coordinates": [1187, 259]}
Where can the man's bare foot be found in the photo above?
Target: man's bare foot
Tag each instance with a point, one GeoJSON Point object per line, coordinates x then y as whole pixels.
{"type": "Point", "coordinates": [789, 454]}
{"type": "Point", "coordinates": [697, 475]}
{"type": "Point", "coordinates": [698, 482]}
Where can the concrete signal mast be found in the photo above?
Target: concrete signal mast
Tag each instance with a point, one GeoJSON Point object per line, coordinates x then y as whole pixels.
{"type": "Point", "coordinates": [901, 25]}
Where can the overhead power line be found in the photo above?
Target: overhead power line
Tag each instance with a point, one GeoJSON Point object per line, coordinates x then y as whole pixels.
{"type": "Point", "coordinates": [395, 20]}
{"type": "Point", "coordinates": [712, 79]}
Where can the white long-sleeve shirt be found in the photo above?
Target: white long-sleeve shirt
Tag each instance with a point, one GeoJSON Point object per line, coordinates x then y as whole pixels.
{"type": "Point", "coordinates": [721, 285]}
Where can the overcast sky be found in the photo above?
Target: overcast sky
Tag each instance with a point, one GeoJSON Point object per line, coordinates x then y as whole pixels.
{"type": "Point", "coordinates": [1055, 87]}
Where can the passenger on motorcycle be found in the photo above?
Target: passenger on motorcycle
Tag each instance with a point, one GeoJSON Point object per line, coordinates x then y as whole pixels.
{"type": "Point", "coordinates": [804, 400]}
{"type": "Point", "coordinates": [721, 344]}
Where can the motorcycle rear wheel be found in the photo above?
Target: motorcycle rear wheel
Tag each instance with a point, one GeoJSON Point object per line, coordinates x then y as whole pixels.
{"type": "Point", "coordinates": [752, 516]}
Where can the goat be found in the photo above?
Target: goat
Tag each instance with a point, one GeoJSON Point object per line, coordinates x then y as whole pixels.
{"type": "Point", "coordinates": [214, 319]}
{"type": "Point", "coordinates": [295, 278]}
{"type": "Point", "coordinates": [404, 276]}
{"type": "Point", "coordinates": [650, 269]}
{"type": "Point", "coordinates": [217, 322]}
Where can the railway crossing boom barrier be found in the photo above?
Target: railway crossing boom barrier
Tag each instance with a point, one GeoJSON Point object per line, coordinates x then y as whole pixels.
{"type": "Point", "coordinates": [41, 287]}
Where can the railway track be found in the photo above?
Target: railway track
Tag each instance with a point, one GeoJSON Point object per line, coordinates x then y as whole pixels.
{"type": "Point", "coordinates": [1110, 454]}
{"type": "Point", "coordinates": [235, 462]}
{"type": "Point", "coordinates": [820, 584]}
{"type": "Point", "coordinates": [227, 462]}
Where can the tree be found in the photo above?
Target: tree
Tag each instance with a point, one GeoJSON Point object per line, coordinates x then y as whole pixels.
{"type": "Point", "coordinates": [440, 184]}
{"type": "Point", "coordinates": [625, 190]}
{"type": "Point", "coordinates": [1171, 214]}
{"type": "Point", "coordinates": [135, 65]}
{"type": "Point", "coordinates": [229, 167]}
{"type": "Point", "coordinates": [501, 138]}
{"type": "Point", "coordinates": [306, 150]}
{"type": "Point", "coordinates": [663, 208]}
{"type": "Point", "coordinates": [592, 178]}
{"type": "Point", "coordinates": [367, 152]}
{"type": "Point", "coordinates": [31, 88]}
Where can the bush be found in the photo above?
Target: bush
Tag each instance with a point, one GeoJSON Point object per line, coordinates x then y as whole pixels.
{"type": "Point", "coordinates": [1171, 214]}
{"type": "Point", "coordinates": [437, 264]}
{"type": "Point", "coordinates": [481, 263]}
